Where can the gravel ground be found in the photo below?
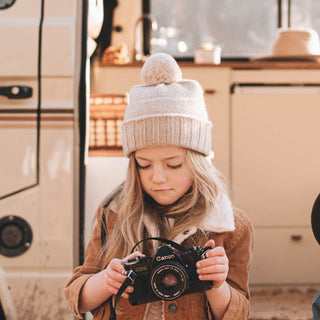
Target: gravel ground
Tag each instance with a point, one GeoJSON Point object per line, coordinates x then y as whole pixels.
{"type": "Point", "coordinates": [282, 302]}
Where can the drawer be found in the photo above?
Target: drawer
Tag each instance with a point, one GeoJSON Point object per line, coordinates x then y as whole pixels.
{"type": "Point", "coordinates": [285, 256]}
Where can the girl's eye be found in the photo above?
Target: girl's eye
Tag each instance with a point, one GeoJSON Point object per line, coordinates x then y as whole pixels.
{"type": "Point", "coordinates": [175, 166]}
{"type": "Point", "coordinates": [143, 167]}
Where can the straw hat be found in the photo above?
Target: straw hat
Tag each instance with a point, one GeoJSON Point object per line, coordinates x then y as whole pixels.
{"type": "Point", "coordinates": [294, 44]}
{"type": "Point", "coordinates": [315, 219]}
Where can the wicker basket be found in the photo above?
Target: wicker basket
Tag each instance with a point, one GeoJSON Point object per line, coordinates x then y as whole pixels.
{"type": "Point", "coordinates": [106, 115]}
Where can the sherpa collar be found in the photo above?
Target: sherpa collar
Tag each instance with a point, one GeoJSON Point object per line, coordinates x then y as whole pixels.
{"type": "Point", "coordinates": [220, 220]}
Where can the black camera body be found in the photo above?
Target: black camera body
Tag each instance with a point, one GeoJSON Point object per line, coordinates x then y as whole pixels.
{"type": "Point", "coordinates": [168, 275]}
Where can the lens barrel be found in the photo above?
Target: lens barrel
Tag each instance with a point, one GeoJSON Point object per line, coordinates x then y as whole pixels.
{"type": "Point", "coordinates": [169, 280]}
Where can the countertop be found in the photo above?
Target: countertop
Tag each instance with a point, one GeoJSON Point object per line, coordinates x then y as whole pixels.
{"type": "Point", "coordinates": [237, 65]}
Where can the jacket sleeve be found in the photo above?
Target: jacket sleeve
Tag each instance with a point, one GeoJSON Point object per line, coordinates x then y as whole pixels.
{"type": "Point", "coordinates": [91, 266]}
{"type": "Point", "coordinates": [239, 252]}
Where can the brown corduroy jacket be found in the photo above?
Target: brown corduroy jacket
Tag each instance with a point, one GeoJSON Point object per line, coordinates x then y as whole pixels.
{"type": "Point", "coordinates": [238, 245]}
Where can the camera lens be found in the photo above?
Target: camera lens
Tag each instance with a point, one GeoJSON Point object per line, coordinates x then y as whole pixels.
{"type": "Point", "coordinates": [168, 281]}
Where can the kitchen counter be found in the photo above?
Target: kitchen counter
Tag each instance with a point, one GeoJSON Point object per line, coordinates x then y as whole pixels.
{"type": "Point", "coordinates": [251, 65]}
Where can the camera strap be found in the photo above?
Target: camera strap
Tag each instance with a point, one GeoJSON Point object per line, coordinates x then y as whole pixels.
{"type": "Point", "coordinates": [131, 276]}
{"type": "Point", "coordinates": [170, 242]}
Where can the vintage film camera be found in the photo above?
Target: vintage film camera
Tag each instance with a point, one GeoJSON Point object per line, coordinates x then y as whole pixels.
{"type": "Point", "coordinates": [168, 275]}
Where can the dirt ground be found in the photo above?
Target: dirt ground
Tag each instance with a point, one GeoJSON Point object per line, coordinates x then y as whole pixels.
{"type": "Point", "coordinates": [282, 303]}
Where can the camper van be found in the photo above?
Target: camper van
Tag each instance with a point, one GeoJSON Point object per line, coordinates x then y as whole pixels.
{"type": "Point", "coordinates": [66, 68]}
{"type": "Point", "coordinates": [42, 93]}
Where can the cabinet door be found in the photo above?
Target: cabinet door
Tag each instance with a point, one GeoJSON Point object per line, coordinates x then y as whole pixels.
{"type": "Point", "coordinates": [276, 153]}
{"type": "Point", "coordinates": [276, 177]}
{"type": "Point", "coordinates": [285, 256]}
{"type": "Point", "coordinates": [216, 86]}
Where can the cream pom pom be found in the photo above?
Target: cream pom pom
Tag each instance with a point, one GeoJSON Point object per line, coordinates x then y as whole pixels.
{"type": "Point", "coordinates": [160, 68]}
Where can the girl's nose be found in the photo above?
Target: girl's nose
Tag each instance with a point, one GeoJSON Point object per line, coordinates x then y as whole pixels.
{"type": "Point", "coordinates": [158, 176]}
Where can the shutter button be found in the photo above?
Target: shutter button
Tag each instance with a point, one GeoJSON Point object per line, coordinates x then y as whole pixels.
{"type": "Point", "coordinates": [172, 308]}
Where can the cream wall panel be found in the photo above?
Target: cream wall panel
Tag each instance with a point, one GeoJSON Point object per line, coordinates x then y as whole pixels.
{"type": "Point", "coordinates": [58, 47]}
{"type": "Point", "coordinates": [58, 38]}
{"type": "Point", "coordinates": [19, 32]}
{"type": "Point", "coordinates": [57, 194]}
{"type": "Point", "coordinates": [60, 8]}
{"type": "Point", "coordinates": [103, 175]}
{"type": "Point", "coordinates": [114, 79]}
{"type": "Point", "coordinates": [22, 58]}
{"type": "Point", "coordinates": [18, 140]}
{"type": "Point", "coordinates": [276, 156]}
{"type": "Point", "coordinates": [279, 259]}
{"type": "Point", "coordinates": [58, 93]}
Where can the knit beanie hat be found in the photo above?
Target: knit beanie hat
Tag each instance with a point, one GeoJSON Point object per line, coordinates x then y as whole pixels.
{"type": "Point", "coordinates": [166, 110]}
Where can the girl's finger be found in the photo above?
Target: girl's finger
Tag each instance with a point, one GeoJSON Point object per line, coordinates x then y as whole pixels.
{"type": "Point", "coordinates": [114, 275]}
{"type": "Point", "coordinates": [216, 277]}
{"type": "Point", "coordinates": [125, 295]}
{"type": "Point", "coordinates": [132, 256]}
{"type": "Point", "coordinates": [212, 261]}
{"type": "Point", "coordinates": [218, 251]}
{"type": "Point", "coordinates": [129, 289]}
{"type": "Point", "coordinates": [114, 283]}
{"type": "Point", "coordinates": [210, 243]}
{"type": "Point", "coordinates": [216, 268]}
{"type": "Point", "coordinates": [117, 265]}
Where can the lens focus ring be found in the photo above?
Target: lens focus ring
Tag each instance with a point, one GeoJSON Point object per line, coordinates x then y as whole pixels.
{"type": "Point", "coordinates": [169, 280]}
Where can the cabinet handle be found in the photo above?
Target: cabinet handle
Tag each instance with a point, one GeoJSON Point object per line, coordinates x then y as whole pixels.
{"type": "Point", "coordinates": [296, 237]}
{"type": "Point", "coordinates": [209, 91]}
{"type": "Point", "coordinates": [16, 92]}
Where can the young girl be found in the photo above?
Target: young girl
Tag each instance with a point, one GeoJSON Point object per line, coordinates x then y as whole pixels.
{"type": "Point", "coordinates": [172, 191]}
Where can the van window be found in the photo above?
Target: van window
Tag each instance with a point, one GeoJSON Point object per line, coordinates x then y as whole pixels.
{"type": "Point", "coordinates": [242, 28]}
{"type": "Point", "coordinates": [5, 4]}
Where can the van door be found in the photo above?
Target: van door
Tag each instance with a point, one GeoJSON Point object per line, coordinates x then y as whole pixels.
{"type": "Point", "coordinates": [20, 25]}
{"type": "Point", "coordinates": [39, 87]}
{"type": "Point", "coordinates": [19, 95]}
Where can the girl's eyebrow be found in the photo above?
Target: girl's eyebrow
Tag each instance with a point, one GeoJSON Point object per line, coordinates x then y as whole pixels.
{"type": "Point", "coordinates": [168, 158]}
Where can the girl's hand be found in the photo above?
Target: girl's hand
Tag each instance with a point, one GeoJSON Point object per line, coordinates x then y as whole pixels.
{"type": "Point", "coordinates": [215, 267]}
{"type": "Point", "coordinates": [114, 275]}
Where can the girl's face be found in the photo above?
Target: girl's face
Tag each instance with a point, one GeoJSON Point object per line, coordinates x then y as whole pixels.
{"type": "Point", "coordinates": [163, 173]}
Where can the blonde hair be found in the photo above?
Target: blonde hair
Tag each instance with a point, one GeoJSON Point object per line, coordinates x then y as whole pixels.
{"type": "Point", "coordinates": [189, 211]}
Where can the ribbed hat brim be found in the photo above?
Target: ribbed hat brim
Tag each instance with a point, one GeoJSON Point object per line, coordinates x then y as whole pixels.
{"type": "Point", "coordinates": [163, 130]}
